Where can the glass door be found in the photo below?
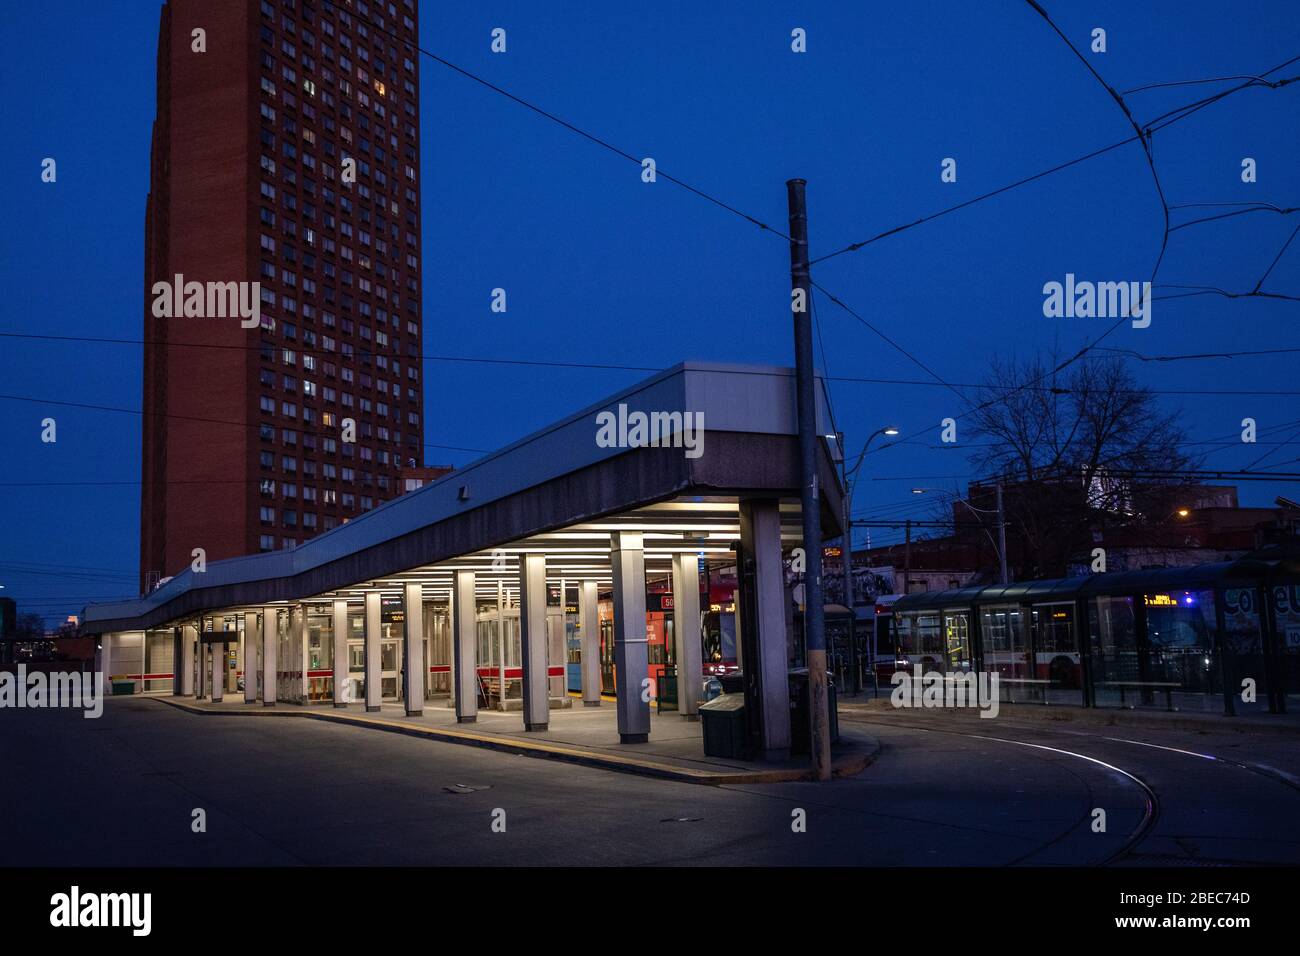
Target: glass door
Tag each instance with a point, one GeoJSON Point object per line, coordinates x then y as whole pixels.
{"type": "Point", "coordinates": [390, 670]}
{"type": "Point", "coordinates": [956, 632]}
{"type": "Point", "coordinates": [355, 692]}
{"type": "Point", "coordinates": [607, 657]}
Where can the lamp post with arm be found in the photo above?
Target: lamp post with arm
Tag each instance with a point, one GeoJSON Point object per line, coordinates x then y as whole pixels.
{"type": "Point", "coordinates": [846, 556]}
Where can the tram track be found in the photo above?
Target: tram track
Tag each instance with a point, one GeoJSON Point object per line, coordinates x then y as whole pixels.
{"type": "Point", "coordinates": [1150, 799]}
{"type": "Point", "coordinates": [1169, 786]}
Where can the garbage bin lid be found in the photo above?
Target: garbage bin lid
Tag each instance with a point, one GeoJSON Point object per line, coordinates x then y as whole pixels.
{"type": "Point", "coordinates": [725, 703]}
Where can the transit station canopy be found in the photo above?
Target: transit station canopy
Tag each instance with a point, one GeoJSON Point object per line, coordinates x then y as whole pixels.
{"type": "Point", "coordinates": [557, 491]}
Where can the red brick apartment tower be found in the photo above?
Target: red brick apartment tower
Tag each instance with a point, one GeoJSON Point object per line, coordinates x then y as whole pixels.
{"type": "Point", "coordinates": [243, 450]}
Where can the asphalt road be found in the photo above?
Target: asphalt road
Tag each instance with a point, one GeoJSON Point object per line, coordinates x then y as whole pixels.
{"type": "Point", "coordinates": [122, 790]}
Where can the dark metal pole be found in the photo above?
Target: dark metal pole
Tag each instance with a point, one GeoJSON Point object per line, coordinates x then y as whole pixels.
{"type": "Point", "coordinates": [810, 500]}
{"type": "Point", "coordinates": [907, 558]}
{"type": "Point", "coordinates": [855, 664]}
{"type": "Point", "coordinates": [1002, 535]}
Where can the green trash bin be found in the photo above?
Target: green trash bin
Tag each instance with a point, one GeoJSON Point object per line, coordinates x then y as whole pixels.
{"type": "Point", "coordinates": [724, 726]}
{"type": "Point", "coordinates": [801, 704]}
{"type": "Point", "coordinates": [123, 687]}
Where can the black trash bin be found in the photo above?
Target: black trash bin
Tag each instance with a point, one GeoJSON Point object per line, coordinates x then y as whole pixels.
{"type": "Point", "coordinates": [800, 705]}
{"type": "Point", "coordinates": [723, 719]}
{"type": "Point", "coordinates": [733, 683]}
{"type": "Point", "coordinates": [666, 690]}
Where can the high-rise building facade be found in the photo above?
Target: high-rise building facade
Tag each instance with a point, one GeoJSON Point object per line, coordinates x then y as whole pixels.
{"type": "Point", "coordinates": [285, 154]}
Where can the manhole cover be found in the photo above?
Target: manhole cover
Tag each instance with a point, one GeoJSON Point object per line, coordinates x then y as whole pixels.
{"type": "Point", "coordinates": [464, 788]}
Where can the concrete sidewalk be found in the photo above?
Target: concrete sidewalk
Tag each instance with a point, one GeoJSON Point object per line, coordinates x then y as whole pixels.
{"type": "Point", "coordinates": [584, 735]}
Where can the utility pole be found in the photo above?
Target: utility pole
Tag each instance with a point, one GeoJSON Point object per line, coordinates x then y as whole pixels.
{"type": "Point", "coordinates": [907, 557]}
{"type": "Point", "coordinates": [814, 625]}
{"type": "Point", "coordinates": [846, 547]}
{"type": "Point", "coordinates": [1002, 535]}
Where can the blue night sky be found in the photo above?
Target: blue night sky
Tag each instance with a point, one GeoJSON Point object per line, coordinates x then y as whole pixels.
{"type": "Point", "coordinates": [602, 268]}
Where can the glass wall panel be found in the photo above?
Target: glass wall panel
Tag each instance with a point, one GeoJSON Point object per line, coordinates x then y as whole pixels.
{"type": "Point", "coordinates": [1286, 618]}
{"type": "Point", "coordinates": [958, 655]}
{"type": "Point", "coordinates": [1183, 671]}
{"type": "Point", "coordinates": [320, 653]}
{"type": "Point", "coordinates": [1243, 648]}
{"type": "Point", "coordinates": [1007, 654]}
{"type": "Point", "coordinates": [392, 630]}
{"type": "Point", "coordinates": [283, 659]}
{"type": "Point", "coordinates": [158, 651]}
{"type": "Point", "coordinates": [1057, 659]}
{"type": "Point", "coordinates": [437, 628]}
{"type": "Point", "coordinates": [356, 655]}
{"type": "Point", "coordinates": [919, 640]}
{"type": "Point", "coordinates": [1112, 628]}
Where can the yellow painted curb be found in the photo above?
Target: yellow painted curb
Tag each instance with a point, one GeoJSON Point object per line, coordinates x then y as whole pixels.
{"type": "Point", "coordinates": [846, 765]}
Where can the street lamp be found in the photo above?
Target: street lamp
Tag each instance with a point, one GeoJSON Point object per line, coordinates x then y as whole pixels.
{"type": "Point", "coordinates": [846, 556]}
{"type": "Point", "coordinates": [1000, 546]}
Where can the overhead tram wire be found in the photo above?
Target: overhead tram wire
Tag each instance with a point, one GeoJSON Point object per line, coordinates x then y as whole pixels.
{"type": "Point", "coordinates": [1247, 207]}
{"type": "Point", "coordinates": [587, 366]}
{"type": "Point", "coordinates": [1139, 136]}
{"type": "Point", "coordinates": [1143, 134]}
{"type": "Point", "coordinates": [754, 221]}
{"type": "Point", "coordinates": [912, 358]}
{"type": "Point", "coordinates": [600, 366]}
{"type": "Point", "coordinates": [1276, 258]}
{"type": "Point", "coordinates": [605, 144]}
{"type": "Point", "coordinates": [1221, 443]}
{"type": "Point", "coordinates": [190, 418]}
{"type": "Point", "coordinates": [1198, 290]}
{"type": "Point", "coordinates": [1198, 355]}
{"type": "Point", "coordinates": [1187, 109]}
{"type": "Point", "coordinates": [624, 154]}
{"type": "Point", "coordinates": [763, 226]}
{"type": "Point", "coordinates": [855, 246]}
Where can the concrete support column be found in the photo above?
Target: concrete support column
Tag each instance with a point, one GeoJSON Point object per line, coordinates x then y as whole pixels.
{"type": "Point", "coordinates": [298, 648]}
{"type": "Point", "coordinates": [464, 648]}
{"type": "Point", "coordinates": [589, 632]}
{"type": "Point", "coordinates": [189, 637]}
{"type": "Point", "coordinates": [104, 662]}
{"type": "Point", "coordinates": [631, 654]}
{"type": "Point", "coordinates": [740, 643]}
{"type": "Point", "coordinates": [252, 639]}
{"type": "Point", "coordinates": [204, 669]}
{"type": "Point", "coordinates": [686, 634]}
{"type": "Point", "coordinates": [533, 640]}
{"type": "Point", "coordinates": [217, 652]}
{"type": "Point", "coordinates": [413, 650]}
{"type": "Point", "coordinates": [760, 538]}
{"type": "Point", "coordinates": [342, 682]}
{"type": "Point", "coordinates": [270, 648]}
{"type": "Point", "coordinates": [177, 657]}
{"type": "Point", "coordinates": [374, 622]}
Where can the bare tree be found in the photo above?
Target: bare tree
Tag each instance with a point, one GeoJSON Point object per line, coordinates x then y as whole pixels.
{"type": "Point", "coordinates": [29, 627]}
{"type": "Point", "coordinates": [1076, 451]}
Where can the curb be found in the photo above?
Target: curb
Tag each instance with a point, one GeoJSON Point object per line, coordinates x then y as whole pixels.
{"type": "Point", "coordinates": [846, 765]}
{"type": "Point", "coordinates": [1080, 717]}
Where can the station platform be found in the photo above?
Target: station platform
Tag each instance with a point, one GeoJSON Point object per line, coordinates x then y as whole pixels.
{"type": "Point", "coordinates": [581, 735]}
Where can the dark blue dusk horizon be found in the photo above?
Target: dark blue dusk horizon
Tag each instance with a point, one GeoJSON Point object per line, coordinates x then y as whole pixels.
{"type": "Point", "coordinates": [602, 269]}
